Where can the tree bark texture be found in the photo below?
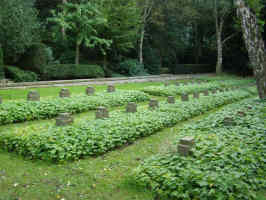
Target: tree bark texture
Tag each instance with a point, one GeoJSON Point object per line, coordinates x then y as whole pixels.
{"type": "Point", "coordinates": [63, 29]}
{"type": "Point", "coordinates": [219, 63]}
{"type": "Point", "coordinates": [148, 5]}
{"type": "Point", "coordinates": [254, 44]}
{"type": "Point", "coordinates": [77, 54]}
{"type": "Point", "coordinates": [219, 21]}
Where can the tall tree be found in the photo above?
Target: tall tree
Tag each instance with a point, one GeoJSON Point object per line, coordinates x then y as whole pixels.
{"type": "Point", "coordinates": [221, 9]}
{"type": "Point", "coordinates": [82, 21]}
{"type": "Point", "coordinates": [147, 6]}
{"type": "Point", "coordinates": [254, 43]}
{"type": "Point", "coordinates": [123, 24]}
{"type": "Point", "coordinates": [18, 27]}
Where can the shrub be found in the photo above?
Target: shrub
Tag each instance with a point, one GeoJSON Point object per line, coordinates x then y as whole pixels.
{"type": "Point", "coordinates": [152, 61]}
{"type": "Point", "coordinates": [173, 90]}
{"type": "Point", "coordinates": [19, 75]}
{"type": "Point", "coordinates": [131, 67]}
{"type": "Point", "coordinates": [164, 70]}
{"type": "Point", "coordinates": [36, 58]}
{"type": "Point", "coordinates": [228, 161]}
{"type": "Point", "coordinates": [193, 68]}
{"type": "Point", "coordinates": [100, 136]}
{"type": "Point", "coordinates": [71, 71]}
{"type": "Point", "coordinates": [2, 72]}
{"type": "Point", "coordinates": [20, 111]}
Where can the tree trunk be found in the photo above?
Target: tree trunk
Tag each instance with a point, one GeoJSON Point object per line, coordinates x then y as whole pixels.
{"type": "Point", "coordinates": [254, 44]}
{"type": "Point", "coordinates": [63, 29]}
{"type": "Point", "coordinates": [219, 64]}
{"type": "Point", "coordinates": [219, 29]}
{"type": "Point", "coordinates": [141, 45]}
{"type": "Point", "coordinates": [77, 54]}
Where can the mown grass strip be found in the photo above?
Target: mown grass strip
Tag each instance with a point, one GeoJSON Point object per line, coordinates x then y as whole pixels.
{"type": "Point", "coordinates": [228, 159]}
{"type": "Point", "coordinates": [173, 90]}
{"type": "Point", "coordinates": [100, 136]}
{"type": "Point", "coordinates": [20, 111]}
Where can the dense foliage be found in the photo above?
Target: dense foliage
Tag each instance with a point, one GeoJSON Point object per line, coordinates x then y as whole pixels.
{"type": "Point", "coordinates": [131, 68]}
{"type": "Point", "coordinates": [179, 36]}
{"type": "Point", "coordinates": [228, 159]}
{"type": "Point", "coordinates": [19, 27]}
{"type": "Point", "coordinates": [19, 75]}
{"type": "Point", "coordinates": [2, 72]}
{"type": "Point", "coordinates": [71, 71]}
{"type": "Point", "coordinates": [20, 111]}
{"type": "Point", "coordinates": [192, 69]}
{"type": "Point", "coordinates": [173, 90]}
{"type": "Point", "coordinates": [100, 136]}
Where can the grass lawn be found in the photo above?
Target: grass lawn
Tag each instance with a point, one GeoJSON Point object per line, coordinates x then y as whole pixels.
{"type": "Point", "coordinates": [106, 177]}
{"type": "Point", "coordinates": [102, 178]}
{"type": "Point", "coordinates": [15, 94]}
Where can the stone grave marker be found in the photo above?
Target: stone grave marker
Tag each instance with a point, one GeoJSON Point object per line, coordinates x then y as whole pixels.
{"type": "Point", "coordinates": [64, 93]}
{"type": "Point", "coordinates": [33, 96]}
{"type": "Point", "coordinates": [185, 146]}
{"type": "Point", "coordinates": [171, 99]}
{"type": "Point", "coordinates": [64, 119]}
{"type": "Point", "coordinates": [154, 104]}
{"type": "Point", "coordinates": [184, 97]}
{"type": "Point", "coordinates": [101, 113]}
{"type": "Point", "coordinates": [110, 88]}
{"type": "Point", "coordinates": [131, 107]}
{"type": "Point", "coordinates": [90, 90]}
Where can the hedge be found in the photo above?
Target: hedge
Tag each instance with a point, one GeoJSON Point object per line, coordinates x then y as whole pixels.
{"type": "Point", "coordinates": [20, 111]}
{"type": "Point", "coordinates": [35, 58]}
{"type": "Point", "coordinates": [2, 72]}
{"type": "Point", "coordinates": [99, 136]}
{"type": "Point", "coordinates": [173, 90]}
{"type": "Point", "coordinates": [228, 160]}
{"type": "Point", "coordinates": [19, 75]}
{"type": "Point", "coordinates": [71, 71]}
{"type": "Point", "coordinates": [193, 68]}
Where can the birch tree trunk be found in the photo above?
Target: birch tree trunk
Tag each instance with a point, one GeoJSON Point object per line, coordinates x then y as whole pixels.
{"type": "Point", "coordinates": [147, 8]}
{"type": "Point", "coordinates": [219, 63]}
{"type": "Point", "coordinates": [142, 34]}
{"type": "Point", "coordinates": [254, 44]}
{"type": "Point", "coordinates": [219, 30]}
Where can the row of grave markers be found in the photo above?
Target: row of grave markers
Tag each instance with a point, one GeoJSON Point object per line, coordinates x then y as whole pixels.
{"type": "Point", "coordinates": [102, 112]}
{"type": "Point", "coordinates": [64, 93]}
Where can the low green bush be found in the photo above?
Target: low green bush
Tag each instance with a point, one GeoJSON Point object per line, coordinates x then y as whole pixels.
{"type": "Point", "coordinates": [2, 72]}
{"type": "Point", "coordinates": [228, 159]}
{"type": "Point", "coordinates": [152, 60]}
{"type": "Point", "coordinates": [71, 71]}
{"type": "Point", "coordinates": [173, 90]}
{"type": "Point", "coordinates": [132, 67]}
{"type": "Point", "coordinates": [193, 68]}
{"type": "Point", "coordinates": [20, 111]}
{"type": "Point", "coordinates": [19, 75]}
{"type": "Point", "coordinates": [100, 136]}
{"type": "Point", "coordinates": [35, 58]}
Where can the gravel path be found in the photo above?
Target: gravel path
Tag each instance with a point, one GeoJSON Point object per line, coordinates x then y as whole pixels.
{"type": "Point", "coordinates": [100, 81]}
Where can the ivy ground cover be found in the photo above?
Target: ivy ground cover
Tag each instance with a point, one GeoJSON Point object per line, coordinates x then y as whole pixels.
{"type": "Point", "coordinates": [173, 90]}
{"type": "Point", "coordinates": [20, 111]}
{"type": "Point", "coordinates": [91, 138]}
{"type": "Point", "coordinates": [228, 162]}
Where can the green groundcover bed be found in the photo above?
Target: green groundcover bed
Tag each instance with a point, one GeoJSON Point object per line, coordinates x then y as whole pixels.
{"type": "Point", "coordinates": [20, 111]}
{"type": "Point", "coordinates": [173, 90]}
{"type": "Point", "coordinates": [90, 138]}
{"type": "Point", "coordinates": [228, 162]}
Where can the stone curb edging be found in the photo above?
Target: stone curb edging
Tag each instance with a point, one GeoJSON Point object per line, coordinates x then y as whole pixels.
{"type": "Point", "coordinates": [100, 81]}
